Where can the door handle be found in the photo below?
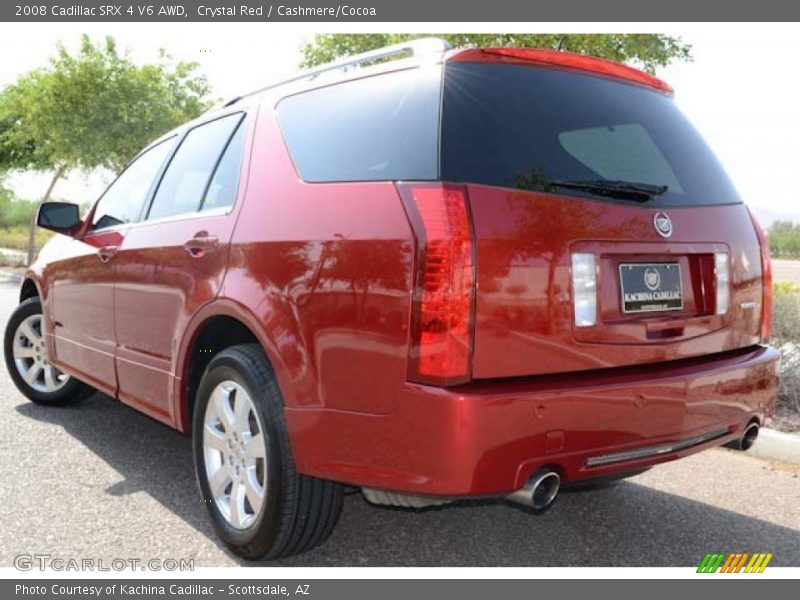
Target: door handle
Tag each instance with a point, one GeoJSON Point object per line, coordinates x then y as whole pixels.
{"type": "Point", "coordinates": [106, 253]}
{"type": "Point", "coordinates": [200, 245]}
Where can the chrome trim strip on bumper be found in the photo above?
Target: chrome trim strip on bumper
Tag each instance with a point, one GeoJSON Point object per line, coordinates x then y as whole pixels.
{"type": "Point", "coordinates": [650, 451]}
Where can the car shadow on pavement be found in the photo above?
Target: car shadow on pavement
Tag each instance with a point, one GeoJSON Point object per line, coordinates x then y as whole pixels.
{"type": "Point", "coordinates": [624, 524]}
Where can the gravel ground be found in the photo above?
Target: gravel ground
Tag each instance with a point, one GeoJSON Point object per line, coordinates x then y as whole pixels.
{"type": "Point", "coordinates": [786, 270]}
{"type": "Point", "coordinates": [98, 479]}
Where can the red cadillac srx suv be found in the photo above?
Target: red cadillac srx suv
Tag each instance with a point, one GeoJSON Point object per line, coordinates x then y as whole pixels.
{"type": "Point", "coordinates": [428, 273]}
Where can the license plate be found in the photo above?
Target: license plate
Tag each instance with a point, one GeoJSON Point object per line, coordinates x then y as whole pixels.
{"type": "Point", "coordinates": [650, 287]}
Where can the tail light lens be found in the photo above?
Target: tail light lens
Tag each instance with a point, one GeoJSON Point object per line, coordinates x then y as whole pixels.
{"type": "Point", "coordinates": [766, 281]}
{"type": "Point", "coordinates": [444, 287]}
{"type": "Point", "coordinates": [722, 273]}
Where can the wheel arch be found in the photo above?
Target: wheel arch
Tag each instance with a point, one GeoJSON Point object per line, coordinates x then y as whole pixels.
{"type": "Point", "coordinates": [218, 325]}
{"type": "Point", "coordinates": [29, 289]}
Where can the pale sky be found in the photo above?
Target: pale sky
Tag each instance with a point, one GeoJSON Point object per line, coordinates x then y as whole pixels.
{"type": "Point", "coordinates": [741, 90]}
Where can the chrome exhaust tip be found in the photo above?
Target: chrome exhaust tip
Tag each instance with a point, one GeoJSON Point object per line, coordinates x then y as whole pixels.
{"type": "Point", "coordinates": [539, 492]}
{"type": "Point", "coordinates": [749, 437]}
{"type": "Point", "coordinates": [747, 440]}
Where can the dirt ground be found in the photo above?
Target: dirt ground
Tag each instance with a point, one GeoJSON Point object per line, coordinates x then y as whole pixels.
{"type": "Point", "coordinates": [786, 270]}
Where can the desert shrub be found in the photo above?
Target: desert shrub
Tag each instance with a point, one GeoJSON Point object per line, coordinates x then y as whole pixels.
{"type": "Point", "coordinates": [16, 237]}
{"type": "Point", "coordinates": [786, 337]}
{"type": "Point", "coordinates": [15, 212]}
{"type": "Point", "coordinates": [784, 239]}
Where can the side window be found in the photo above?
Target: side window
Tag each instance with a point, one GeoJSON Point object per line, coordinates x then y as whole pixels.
{"type": "Point", "coordinates": [377, 128]}
{"type": "Point", "coordinates": [184, 183]}
{"type": "Point", "coordinates": [123, 200]}
{"type": "Point", "coordinates": [221, 192]}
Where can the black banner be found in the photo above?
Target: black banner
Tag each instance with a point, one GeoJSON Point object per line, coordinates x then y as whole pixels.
{"type": "Point", "coordinates": [396, 589]}
{"type": "Point", "coordinates": [462, 11]}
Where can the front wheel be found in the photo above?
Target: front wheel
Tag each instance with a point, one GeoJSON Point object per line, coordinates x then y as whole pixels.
{"type": "Point", "coordinates": [28, 363]}
{"type": "Point", "coordinates": [259, 505]}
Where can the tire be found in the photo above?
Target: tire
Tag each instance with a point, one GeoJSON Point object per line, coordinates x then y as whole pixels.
{"type": "Point", "coordinates": [26, 354]}
{"type": "Point", "coordinates": [295, 512]}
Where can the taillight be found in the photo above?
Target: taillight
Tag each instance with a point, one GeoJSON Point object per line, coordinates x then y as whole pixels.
{"type": "Point", "coordinates": [766, 281]}
{"type": "Point", "coordinates": [444, 283]}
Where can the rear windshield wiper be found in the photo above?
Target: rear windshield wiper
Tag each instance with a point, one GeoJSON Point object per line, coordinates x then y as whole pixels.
{"type": "Point", "coordinates": [627, 190]}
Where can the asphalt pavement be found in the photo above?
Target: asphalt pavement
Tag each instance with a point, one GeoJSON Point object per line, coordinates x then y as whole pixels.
{"type": "Point", "coordinates": [97, 479]}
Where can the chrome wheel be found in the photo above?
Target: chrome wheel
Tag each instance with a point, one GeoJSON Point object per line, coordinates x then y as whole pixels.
{"type": "Point", "coordinates": [30, 357]}
{"type": "Point", "coordinates": [235, 454]}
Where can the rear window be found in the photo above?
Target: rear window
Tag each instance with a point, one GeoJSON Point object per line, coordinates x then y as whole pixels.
{"type": "Point", "coordinates": [524, 127]}
{"type": "Point", "coordinates": [383, 127]}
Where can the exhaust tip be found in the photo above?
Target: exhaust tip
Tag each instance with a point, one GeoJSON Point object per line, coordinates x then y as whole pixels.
{"type": "Point", "coordinates": [545, 490]}
{"type": "Point", "coordinates": [747, 440]}
{"type": "Point", "coordinates": [539, 492]}
{"type": "Point", "coordinates": [749, 437]}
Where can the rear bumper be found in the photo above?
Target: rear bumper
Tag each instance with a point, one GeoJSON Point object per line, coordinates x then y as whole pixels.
{"type": "Point", "coordinates": [488, 438]}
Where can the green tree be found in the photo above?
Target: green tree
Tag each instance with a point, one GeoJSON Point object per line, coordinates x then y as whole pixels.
{"type": "Point", "coordinates": [94, 108]}
{"type": "Point", "coordinates": [784, 239]}
{"type": "Point", "coordinates": [779, 227]}
{"type": "Point", "coordinates": [649, 51]}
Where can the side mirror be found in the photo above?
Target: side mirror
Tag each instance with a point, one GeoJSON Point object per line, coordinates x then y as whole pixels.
{"type": "Point", "coordinates": [61, 217]}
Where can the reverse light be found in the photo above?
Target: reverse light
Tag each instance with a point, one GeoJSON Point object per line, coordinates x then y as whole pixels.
{"type": "Point", "coordinates": [722, 272]}
{"type": "Point", "coordinates": [584, 289]}
{"type": "Point", "coordinates": [766, 281]}
{"type": "Point", "coordinates": [444, 289]}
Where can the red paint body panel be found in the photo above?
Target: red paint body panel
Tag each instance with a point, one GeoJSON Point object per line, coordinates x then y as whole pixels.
{"type": "Point", "coordinates": [79, 303]}
{"type": "Point", "coordinates": [488, 438]}
{"type": "Point", "coordinates": [328, 276]}
{"type": "Point", "coordinates": [524, 304]}
{"type": "Point", "coordinates": [323, 276]}
{"type": "Point", "coordinates": [159, 286]}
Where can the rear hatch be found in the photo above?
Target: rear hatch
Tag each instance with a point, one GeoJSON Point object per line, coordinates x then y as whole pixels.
{"type": "Point", "coordinates": [606, 232]}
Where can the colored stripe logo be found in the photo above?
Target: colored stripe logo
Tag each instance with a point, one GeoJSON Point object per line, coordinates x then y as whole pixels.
{"type": "Point", "coordinates": [741, 562]}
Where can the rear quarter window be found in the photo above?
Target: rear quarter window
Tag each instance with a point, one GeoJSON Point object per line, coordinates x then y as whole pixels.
{"type": "Point", "coordinates": [525, 127]}
{"type": "Point", "coordinates": [383, 127]}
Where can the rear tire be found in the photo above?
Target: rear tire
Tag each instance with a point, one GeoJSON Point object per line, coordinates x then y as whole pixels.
{"type": "Point", "coordinates": [260, 506]}
{"type": "Point", "coordinates": [28, 364]}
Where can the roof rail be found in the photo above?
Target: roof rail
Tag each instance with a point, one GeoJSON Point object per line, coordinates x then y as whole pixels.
{"type": "Point", "coordinates": [417, 47]}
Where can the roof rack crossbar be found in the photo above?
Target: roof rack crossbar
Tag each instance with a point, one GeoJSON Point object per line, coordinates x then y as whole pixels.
{"type": "Point", "coordinates": [417, 47]}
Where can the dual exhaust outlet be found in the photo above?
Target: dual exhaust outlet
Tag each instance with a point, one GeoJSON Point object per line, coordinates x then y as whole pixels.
{"type": "Point", "coordinates": [539, 492]}
{"type": "Point", "coordinates": [747, 440]}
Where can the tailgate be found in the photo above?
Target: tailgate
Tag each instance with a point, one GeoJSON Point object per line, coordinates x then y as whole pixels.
{"type": "Point", "coordinates": [559, 163]}
{"type": "Point", "coordinates": [525, 308]}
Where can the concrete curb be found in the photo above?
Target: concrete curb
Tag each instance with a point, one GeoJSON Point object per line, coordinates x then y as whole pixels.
{"type": "Point", "coordinates": [777, 445]}
{"type": "Point", "coordinates": [15, 258]}
{"type": "Point", "coordinates": [9, 277]}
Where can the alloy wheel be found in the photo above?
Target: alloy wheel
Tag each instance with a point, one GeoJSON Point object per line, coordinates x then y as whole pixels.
{"type": "Point", "coordinates": [235, 454]}
{"type": "Point", "coordinates": [30, 357]}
